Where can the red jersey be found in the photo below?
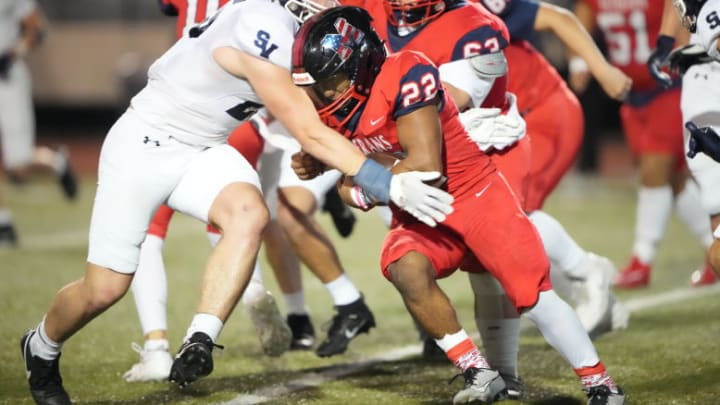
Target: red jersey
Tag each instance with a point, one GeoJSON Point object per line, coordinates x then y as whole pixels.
{"type": "Point", "coordinates": [190, 12]}
{"type": "Point", "coordinates": [407, 82]}
{"type": "Point", "coordinates": [630, 28]}
{"type": "Point", "coordinates": [459, 33]}
{"type": "Point", "coordinates": [531, 77]}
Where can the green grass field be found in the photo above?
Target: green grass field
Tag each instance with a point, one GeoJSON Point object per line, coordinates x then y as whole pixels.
{"type": "Point", "coordinates": [669, 355]}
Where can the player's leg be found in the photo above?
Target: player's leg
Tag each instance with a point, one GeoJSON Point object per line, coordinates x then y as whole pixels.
{"type": "Point", "coordinates": [219, 187]}
{"type": "Point", "coordinates": [286, 267]}
{"type": "Point", "coordinates": [149, 288]}
{"type": "Point", "coordinates": [113, 249]}
{"type": "Point", "coordinates": [653, 132]}
{"type": "Point", "coordinates": [17, 123]}
{"type": "Point", "coordinates": [8, 235]}
{"type": "Point", "coordinates": [316, 251]}
{"type": "Point", "coordinates": [270, 326]}
{"type": "Point", "coordinates": [412, 257]}
{"type": "Point", "coordinates": [495, 240]}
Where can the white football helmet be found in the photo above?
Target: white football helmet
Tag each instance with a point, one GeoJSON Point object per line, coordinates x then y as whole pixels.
{"type": "Point", "coordinates": [304, 9]}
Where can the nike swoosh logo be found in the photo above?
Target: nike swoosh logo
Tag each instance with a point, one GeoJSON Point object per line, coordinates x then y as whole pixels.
{"type": "Point", "coordinates": [481, 192]}
{"type": "Point", "coordinates": [350, 333]}
{"type": "Point", "coordinates": [376, 121]}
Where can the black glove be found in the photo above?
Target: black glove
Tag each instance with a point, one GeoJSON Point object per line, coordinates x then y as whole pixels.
{"type": "Point", "coordinates": [658, 59]}
{"type": "Point", "coordinates": [704, 140]}
{"type": "Point", "coordinates": [6, 61]}
{"type": "Point", "coordinates": [682, 58]}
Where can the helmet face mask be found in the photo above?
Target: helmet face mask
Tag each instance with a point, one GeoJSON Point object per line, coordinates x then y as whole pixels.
{"type": "Point", "coordinates": [304, 9]}
{"type": "Point", "coordinates": [688, 11]}
{"type": "Point", "coordinates": [336, 57]}
{"type": "Point", "coordinates": [413, 13]}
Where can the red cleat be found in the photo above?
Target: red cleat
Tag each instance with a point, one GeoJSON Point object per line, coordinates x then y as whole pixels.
{"type": "Point", "coordinates": [703, 277]}
{"type": "Point", "coordinates": [635, 275]}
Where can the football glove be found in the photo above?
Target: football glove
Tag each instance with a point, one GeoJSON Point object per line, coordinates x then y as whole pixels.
{"type": "Point", "coordinates": [682, 58]}
{"type": "Point", "coordinates": [659, 59]}
{"type": "Point", "coordinates": [704, 140]}
{"type": "Point", "coordinates": [430, 205]}
{"type": "Point", "coordinates": [6, 61]}
{"type": "Point", "coordinates": [492, 130]}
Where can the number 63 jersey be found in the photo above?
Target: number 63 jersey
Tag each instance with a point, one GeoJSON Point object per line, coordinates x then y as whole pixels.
{"type": "Point", "coordinates": [190, 96]}
{"type": "Point", "coordinates": [630, 29]}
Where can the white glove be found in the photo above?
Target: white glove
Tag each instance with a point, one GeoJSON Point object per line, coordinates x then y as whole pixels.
{"type": "Point", "coordinates": [490, 129]}
{"type": "Point", "coordinates": [274, 141]}
{"type": "Point", "coordinates": [428, 204]}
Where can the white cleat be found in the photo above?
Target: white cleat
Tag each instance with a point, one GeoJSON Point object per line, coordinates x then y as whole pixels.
{"type": "Point", "coordinates": [592, 296]}
{"type": "Point", "coordinates": [481, 384]}
{"type": "Point", "coordinates": [154, 365]}
{"type": "Point", "coordinates": [272, 329]}
{"type": "Point", "coordinates": [620, 316]}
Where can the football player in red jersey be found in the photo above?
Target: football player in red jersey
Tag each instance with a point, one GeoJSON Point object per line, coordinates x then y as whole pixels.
{"type": "Point", "coordinates": [556, 139]}
{"type": "Point", "coordinates": [652, 124]}
{"type": "Point", "coordinates": [398, 104]}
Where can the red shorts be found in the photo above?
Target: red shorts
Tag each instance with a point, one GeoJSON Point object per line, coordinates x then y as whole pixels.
{"type": "Point", "coordinates": [655, 127]}
{"type": "Point", "coordinates": [487, 230]}
{"type": "Point", "coordinates": [514, 163]}
{"type": "Point", "coordinates": [556, 126]}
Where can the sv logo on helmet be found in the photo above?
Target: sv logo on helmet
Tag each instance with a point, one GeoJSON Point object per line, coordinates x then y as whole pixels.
{"type": "Point", "coordinates": [342, 42]}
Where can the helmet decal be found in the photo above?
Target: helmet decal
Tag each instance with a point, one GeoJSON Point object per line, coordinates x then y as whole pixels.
{"type": "Point", "coordinates": [343, 42]}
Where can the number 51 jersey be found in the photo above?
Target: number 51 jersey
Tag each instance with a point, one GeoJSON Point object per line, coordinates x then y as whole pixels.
{"type": "Point", "coordinates": [630, 29]}
{"type": "Point", "coordinates": [190, 96]}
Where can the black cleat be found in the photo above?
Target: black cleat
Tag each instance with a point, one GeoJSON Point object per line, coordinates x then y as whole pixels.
{"type": "Point", "coordinates": [351, 320]}
{"type": "Point", "coordinates": [43, 376]}
{"type": "Point", "coordinates": [303, 332]}
{"type": "Point", "coordinates": [514, 385]}
{"type": "Point", "coordinates": [194, 360]}
{"type": "Point", "coordinates": [342, 216]}
{"type": "Point", "coordinates": [603, 395]}
{"type": "Point", "coordinates": [432, 352]}
{"type": "Point", "coordinates": [67, 178]}
{"type": "Point", "coordinates": [8, 235]}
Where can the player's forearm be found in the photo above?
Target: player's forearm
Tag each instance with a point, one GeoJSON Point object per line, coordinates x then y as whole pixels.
{"type": "Point", "coordinates": [572, 33]}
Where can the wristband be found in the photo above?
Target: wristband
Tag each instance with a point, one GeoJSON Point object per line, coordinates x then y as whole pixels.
{"type": "Point", "coordinates": [577, 65]}
{"type": "Point", "coordinates": [374, 180]}
{"type": "Point", "coordinates": [665, 43]}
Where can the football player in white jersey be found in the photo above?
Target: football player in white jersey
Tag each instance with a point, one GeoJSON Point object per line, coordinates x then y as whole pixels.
{"type": "Point", "coordinates": [700, 102]}
{"type": "Point", "coordinates": [170, 147]}
{"type": "Point", "coordinates": [22, 27]}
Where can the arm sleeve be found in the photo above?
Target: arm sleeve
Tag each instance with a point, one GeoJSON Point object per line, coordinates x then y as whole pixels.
{"type": "Point", "coordinates": [266, 38]}
{"type": "Point", "coordinates": [462, 75]}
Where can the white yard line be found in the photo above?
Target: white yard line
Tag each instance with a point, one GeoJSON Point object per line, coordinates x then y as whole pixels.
{"type": "Point", "coordinates": [314, 379]}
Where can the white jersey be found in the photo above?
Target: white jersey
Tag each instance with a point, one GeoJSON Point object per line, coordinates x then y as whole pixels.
{"type": "Point", "coordinates": [12, 12]}
{"type": "Point", "coordinates": [708, 28]}
{"type": "Point", "coordinates": [191, 97]}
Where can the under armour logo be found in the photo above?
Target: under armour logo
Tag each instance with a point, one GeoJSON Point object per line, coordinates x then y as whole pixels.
{"type": "Point", "coordinates": [148, 140]}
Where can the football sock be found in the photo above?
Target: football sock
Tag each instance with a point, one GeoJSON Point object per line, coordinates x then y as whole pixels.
{"type": "Point", "coordinates": [295, 303]}
{"type": "Point", "coordinates": [560, 247]}
{"type": "Point", "coordinates": [161, 221]}
{"type": "Point", "coordinates": [461, 351]}
{"type": "Point", "coordinates": [42, 346]}
{"type": "Point", "coordinates": [343, 290]}
{"type": "Point", "coordinates": [213, 235]}
{"type": "Point", "coordinates": [5, 216]}
{"type": "Point", "coordinates": [690, 210]}
{"type": "Point", "coordinates": [149, 285]}
{"type": "Point", "coordinates": [156, 344]}
{"type": "Point", "coordinates": [497, 321]}
{"type": "Point", "coordinates": [209, 324]}
{"type": "Point", "coordinates": [595, 375]}
{"type": "Point", "coordinates": [653, 210]}
{"type": "Point", "coordinates": [562, 329]}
